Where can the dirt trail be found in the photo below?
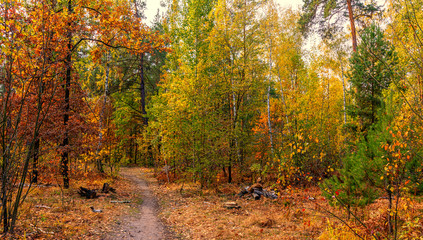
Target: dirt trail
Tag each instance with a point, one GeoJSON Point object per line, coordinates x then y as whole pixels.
{"type": "Point", "coordinates": [144, 224]}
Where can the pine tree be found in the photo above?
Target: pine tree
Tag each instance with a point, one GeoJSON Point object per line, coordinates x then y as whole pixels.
{"type": "Point", "coordinates": [363, 173]}
{"type": "Point", "coordinates": [331, 14]}
{"type": "Point", "coordinates": [371, 72]}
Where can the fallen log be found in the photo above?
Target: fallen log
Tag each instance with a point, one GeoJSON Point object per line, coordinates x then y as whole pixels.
{"type": "Point", "coordinates": [41, 206]}
{"type": "Point", "coordinates": [231, 205]}
{"type": "Point", "coordinates": [124, 201]}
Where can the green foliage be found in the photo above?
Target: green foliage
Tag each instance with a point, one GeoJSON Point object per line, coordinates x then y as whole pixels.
{"type": "Point", "coordinates": [414, 171]}
{"type": "Point", "coordinates": [367, 170]}
{"type": "Point", "coordinates": [373, 68]}
{"type": "Point", "coordinates": [213, 81]}
{"type": "Point", "coordinates": [353, 186]}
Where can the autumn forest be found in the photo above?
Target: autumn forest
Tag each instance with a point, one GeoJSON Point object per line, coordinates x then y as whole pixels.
{"type": "Point", "coordinates": [218, 93]}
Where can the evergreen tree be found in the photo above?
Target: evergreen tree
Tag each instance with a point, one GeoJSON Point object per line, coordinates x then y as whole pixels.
{"type": "Point", "coordinates": [363, 173]}
{"type": "Point", "coordinates": [371, 72]}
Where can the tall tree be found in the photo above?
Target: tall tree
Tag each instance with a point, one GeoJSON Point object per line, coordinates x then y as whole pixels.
{"type": "Point", "coordinates": [330, 16]}
{"type": "Point", "coordinates": [373, 68]}
{"type": "Point", "coordinates": [186, 89]}
{"type": "Point", "coordinates": [370, 75]}
{"type": "Point", "coordinates": [65, 154]}
{"type": "Point", "coordinates": [30, 86]}
{"type": "Point", "coordinates": [238, 31]}
{"type": "Point", "coordinates": [270, 21]}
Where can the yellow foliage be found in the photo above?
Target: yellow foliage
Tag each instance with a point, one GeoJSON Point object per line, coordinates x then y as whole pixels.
{"type": "Point", "coordinates": [337, 231]}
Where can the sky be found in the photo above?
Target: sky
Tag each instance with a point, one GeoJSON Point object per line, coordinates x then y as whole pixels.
{"type": "Point", "coordinates": [153, 5]}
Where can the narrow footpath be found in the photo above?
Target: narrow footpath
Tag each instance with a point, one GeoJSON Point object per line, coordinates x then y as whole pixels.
{"type": "Point", "coordinates": [144, 223]}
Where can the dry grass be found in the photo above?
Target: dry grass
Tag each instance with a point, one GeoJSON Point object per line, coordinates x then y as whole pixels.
{"type": "Point", "coordinates": [199, 214]}
{"type": "Point", "coordinates": [297, 214]}
{"type": "Point", "coordinates": [195, 213]}
{"type": "Point", "coordinates": [50, 212]}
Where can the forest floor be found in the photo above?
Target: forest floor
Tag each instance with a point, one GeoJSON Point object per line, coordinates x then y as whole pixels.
{"type": "Point", "coordinates": [51, 212]}
{"type": "Point", "coordinates": [196, 213]}
{"type": "Point", "coordinates": [298, 213]}
{"type": "Point", "coordinates": [143, 209]}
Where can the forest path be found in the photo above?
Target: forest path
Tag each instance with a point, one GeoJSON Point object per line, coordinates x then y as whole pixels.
{"type": "Point", "coordinates": [144, 223]}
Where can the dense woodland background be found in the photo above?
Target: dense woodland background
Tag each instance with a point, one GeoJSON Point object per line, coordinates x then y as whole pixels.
{"type": "Point", "coordinates": [217, 91]}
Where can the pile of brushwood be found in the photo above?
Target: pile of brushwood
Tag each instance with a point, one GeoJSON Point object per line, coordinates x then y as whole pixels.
{"type": "Point", "coordinates": [256, 191]}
